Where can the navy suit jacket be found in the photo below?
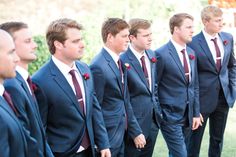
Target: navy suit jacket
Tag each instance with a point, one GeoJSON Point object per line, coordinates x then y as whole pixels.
{"type": "Point", "coordinates": [211, 81]}
{"type": "Point", "coordinates": [113, 99]}
{"type": "Point", "coordinates": [176, 95]}
{"type": "Point", "coordinates": [144, 102]}
{"type": "Point", "coordinates": [12, 137]}
{"type": "Point", "coordinates": [62, 117]}
{"type": "Point", "coordinates": [29, 116]}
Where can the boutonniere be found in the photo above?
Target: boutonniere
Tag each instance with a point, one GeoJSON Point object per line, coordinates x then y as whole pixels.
{"type": "Point", "coordinates": [154, 60]}
{"type": "Point", "coordinates": [86, 76]}
{"type": "Point", "coordinates": [34, 87]}
{"type": "Point", "coordinates": [192, 57]}
{"type": "Point", "coordinates": [225, 42]}
{"type": "Point", "coordinates": [127, 66]}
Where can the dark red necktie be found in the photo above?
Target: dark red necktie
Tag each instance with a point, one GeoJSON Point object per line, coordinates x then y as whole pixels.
{"type": "Point", "coordinates": [85, 141]}
{"type": "Point", "coordinates": [121, 73]}
{"type": "Point", "coordinates": [7, 97]}
{"type": "Point", "coordinates": [144, 69]}
{"type": "Point", "coordinates": [30, 83]}
{"type": "Point", "coordinates": [218, 56]}
{"type": "Point", "coordinates": [186, 69]}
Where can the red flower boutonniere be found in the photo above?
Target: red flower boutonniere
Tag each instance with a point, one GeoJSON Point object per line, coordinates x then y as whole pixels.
{"type": "Point", "coordinates": [34, 87]}
{"type": "Point", "coordinates": [154, 60]}
{"type": "Point", "coordinates": [225, 42]}
{"type": "Point", "coordinates": [86, 76]}
{"type": "Point", "coordinates": [192, 57]}
{"type": "Point", "coordinates": [127, 66]}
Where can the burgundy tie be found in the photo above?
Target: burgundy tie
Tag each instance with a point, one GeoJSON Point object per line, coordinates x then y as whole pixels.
{"type": "Point", "coordinates": [85, 141]}
{"type": "Point", "coordinates": [144, 69]}
{"type": "Point", "coordinates": [30, 83]}
{"type": "Point", "coordinates": [186, 70]}
{"type": "Point", "coordinates": [218, 57]}
{"type": "Point", "coordinates": [7, 97]}
{"type": "Point", "coordinates": [121, 73]}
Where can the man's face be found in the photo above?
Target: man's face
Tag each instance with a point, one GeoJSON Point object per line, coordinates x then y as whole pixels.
{"type": "Point", "coordinates": [143, 40]}
{"type": "Point", "coordinates": [119, 42]}
{"type": "Point", "coordinates": [25, 46]}
{"type": "Point", "coordinates": [214, 25]}
{"type": "Point", "coordinates": [8, 57]}
{"type": "Point", "coordinates": [185, 31]}
{"type": "Point", "coordinates": [73, 47]}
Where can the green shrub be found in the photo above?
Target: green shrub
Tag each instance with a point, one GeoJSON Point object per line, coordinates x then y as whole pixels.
{"type": "Point", "coordinates": [42, 52]}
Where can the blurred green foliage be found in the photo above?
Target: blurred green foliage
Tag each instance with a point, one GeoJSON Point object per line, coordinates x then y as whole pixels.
{"type": "Point", "coordinates": [42, 52]}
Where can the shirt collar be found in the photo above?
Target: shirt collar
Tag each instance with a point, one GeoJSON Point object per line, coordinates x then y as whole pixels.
{"type": "Point", "coordinates": [137, 54]}
{"type": "Point", "coordinates": [24, 73]}
{"type": "Point", "coordinates": [1, 89]}
{"type": "Point", "coordinates": [208, 36]}
{"type": "Point", "coordinates": [114, 56]}
{"type": "Point", "coordinates": [177, 46]}
{"type": "Point", "coordinates": [64, 68]}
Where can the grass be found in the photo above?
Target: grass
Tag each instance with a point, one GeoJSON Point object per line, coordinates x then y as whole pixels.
{"type": "Point", "coordinates": [229, 149]}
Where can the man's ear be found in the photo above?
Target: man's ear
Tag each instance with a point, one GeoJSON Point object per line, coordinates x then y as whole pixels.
{"type": "Point", "coordinates": [110, 38]}
{"type": "Point", "coordinates": [58, 45]}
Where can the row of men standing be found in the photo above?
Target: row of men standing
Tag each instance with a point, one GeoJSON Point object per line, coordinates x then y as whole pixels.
{"type": "Point", "coordinates": [118, 104]}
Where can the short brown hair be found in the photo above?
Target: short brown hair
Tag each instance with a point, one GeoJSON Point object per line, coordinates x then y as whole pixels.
{"type": "Point", "coordinates": [12, 27]}
{"type": "Point", "coordinates": [57, 31]}
{"type": "Point", "coordinates": [113, 26]}
{"type": "Point", "coordinates": [136, 24]}
{"type": "Point", "coordinates": [177, 20]}
{"type": "Point", "coordinates": [210, 11]}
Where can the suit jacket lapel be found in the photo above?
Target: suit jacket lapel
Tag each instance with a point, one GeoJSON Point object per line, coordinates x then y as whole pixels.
{"type": "Point", "coordinates": [152, 66]}
{"type": "Point", "coordinates": [191, 64]}
{"type": "Point", "coordinates": [64, 85]}
{"type": "Point", "coordinates": [114, 67]}
{"type": "Point", "coordinates": [5, 105]}
{"type": "Point", "coordinates": [136, 65]}
{"type": "Point", "coordinates": [226, 51]}
{"type": "Point", "coordinates": [175, 56]}
{"type": "Point", "coordinates": [206, 50]}
{"type": "Point", "coordinates": [32, 99]}
{"type": "Point", "coordinates": [7, 108]}
{"type": "Point", "coordinates": [25, 87]}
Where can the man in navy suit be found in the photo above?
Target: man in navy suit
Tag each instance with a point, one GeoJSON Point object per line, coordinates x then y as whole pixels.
{"type": "Point", "coordinates": [217, 80]}
{"type": "Point", "coordinates": [178, 85]}
{"type": "Point", "coordinates": [141, 81]}
{"type": "Point", "coordinates": [110, 79]}
{"type": "Point", "coordinates": [12, 137]}
{"type": "Point", "coordinates": [67, 102]}
{"type": "Point", "coordinates": [20, 90]}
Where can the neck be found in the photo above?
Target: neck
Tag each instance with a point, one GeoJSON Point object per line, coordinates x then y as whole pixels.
{"type": "Point", "coordinates": [213, 34]}
{"type": "Point", "coordinates": [23, 65]}
{"type": "Point", "coordinates": [112, 49]}
{"type": "Point", "coordinates": [178, 41]}
{"type": "Point", "coordinates": [140, 51]}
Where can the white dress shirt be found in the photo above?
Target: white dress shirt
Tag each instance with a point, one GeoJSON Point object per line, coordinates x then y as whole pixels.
{"type": "Point", "coordinates": [24, 74]}
{"type": "Point", "coordinates": [212, 46]}
{"type": "Point", "coordinates": [179, 48]}
{"type": "Point", "coordinates": [147, 62]}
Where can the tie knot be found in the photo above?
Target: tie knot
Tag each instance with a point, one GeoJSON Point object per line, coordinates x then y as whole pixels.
{"type": "Point", "coordinates": [72, 72]}
{"type": "Point", "coordinates": [29, 80]}
{"type": "Point", "coordinates": [183, 51]}
{"type": "Point", "coordinates": [214, 40]}
{"type": "Point", "coordinates": [142, 58]}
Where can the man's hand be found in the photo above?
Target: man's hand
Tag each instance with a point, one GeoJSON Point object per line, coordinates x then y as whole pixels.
{"type": "Point", "coordinates": [196, 122]}
{"type": "Point", "coordinates": [105, 153]}
{"type": "Point", "coordinates": [140, 141]}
